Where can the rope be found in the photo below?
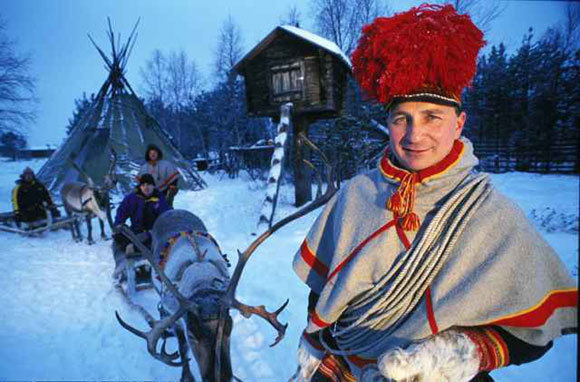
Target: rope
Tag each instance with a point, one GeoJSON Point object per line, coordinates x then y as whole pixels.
{"type": "Point", "coordinates": [378, 312]}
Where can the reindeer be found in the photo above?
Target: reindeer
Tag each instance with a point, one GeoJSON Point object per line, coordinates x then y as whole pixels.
{"type": "Point", "coordinates": [197, 293]}
{"type": "Point", "coordinates": [89, 200]}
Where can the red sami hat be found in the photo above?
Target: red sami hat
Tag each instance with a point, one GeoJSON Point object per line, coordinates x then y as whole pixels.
{"type": "Point", "coordinates": [428, 53]}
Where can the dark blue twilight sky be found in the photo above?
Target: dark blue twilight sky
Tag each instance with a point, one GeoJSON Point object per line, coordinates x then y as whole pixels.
{"type": "Point", "coordinates": [54, 34]}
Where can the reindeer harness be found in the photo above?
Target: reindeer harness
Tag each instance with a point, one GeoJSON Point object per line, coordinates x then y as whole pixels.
{"type": "Point", "coordinates": [190, 236]}
{"type": "Point", "coordinates": [85, 202]}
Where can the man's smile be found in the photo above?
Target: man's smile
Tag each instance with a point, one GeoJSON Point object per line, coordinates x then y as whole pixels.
{"type": "Point", "coordinates": [415, 151]}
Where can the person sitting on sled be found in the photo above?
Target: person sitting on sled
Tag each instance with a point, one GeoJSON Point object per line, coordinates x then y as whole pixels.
{"type": "Point", "coordinates": [30, 199]}
{"type": "Point", "coordinates": [142, 207]}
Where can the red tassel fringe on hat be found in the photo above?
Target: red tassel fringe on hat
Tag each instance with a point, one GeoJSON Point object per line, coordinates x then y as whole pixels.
{"type": "Point", "coordinates": [430, 48]}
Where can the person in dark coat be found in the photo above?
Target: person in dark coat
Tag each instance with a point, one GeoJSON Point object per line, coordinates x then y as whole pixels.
{"type": "Point", "coordinates": [30, 198]}
{"type": "Point", "coordinates": [142, 207]}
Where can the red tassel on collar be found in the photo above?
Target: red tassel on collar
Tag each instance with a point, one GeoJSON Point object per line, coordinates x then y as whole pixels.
{"type": "Point", "coordinates": [402, 201]}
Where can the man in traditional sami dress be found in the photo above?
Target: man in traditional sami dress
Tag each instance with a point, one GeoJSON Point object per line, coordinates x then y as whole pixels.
{"type": "Point", "coordinates": [421, 270]}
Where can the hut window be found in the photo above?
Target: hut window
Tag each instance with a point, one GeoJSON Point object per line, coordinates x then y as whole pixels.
{"type": "Point", "coordinates": [287, 82]}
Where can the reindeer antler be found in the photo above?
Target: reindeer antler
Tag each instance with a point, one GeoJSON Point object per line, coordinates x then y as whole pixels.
{"type": "Point", "coordinates": [229, 299]}
{"type": "Point", "coordinates": [83, 173]}
{"type": "Point", "coordinates": [154, 335]}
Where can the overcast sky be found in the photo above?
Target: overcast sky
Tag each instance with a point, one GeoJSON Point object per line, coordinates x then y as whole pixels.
{"type": "Point", "coordinates": [65, 64]}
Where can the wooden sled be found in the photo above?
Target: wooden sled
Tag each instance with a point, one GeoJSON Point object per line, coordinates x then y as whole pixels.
{"type": "Point", "coordinates": [138, 273]}
{"type": "Point", "coordinates": [8, 224]}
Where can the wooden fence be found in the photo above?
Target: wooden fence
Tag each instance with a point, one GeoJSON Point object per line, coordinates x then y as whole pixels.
{"type": "Point", "coordinates": [561, 158]}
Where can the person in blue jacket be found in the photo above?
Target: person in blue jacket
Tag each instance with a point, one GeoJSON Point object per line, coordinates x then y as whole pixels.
{"type": "Point", "coordinates": [142, 207]}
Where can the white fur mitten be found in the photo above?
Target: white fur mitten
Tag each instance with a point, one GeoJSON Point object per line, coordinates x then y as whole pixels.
{"type": "Point", "coordinates": [309, 358]}
{"type": "Point", "coordinates": [449, 356]}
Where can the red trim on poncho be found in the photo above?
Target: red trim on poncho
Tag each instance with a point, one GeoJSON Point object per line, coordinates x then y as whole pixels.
{"type": "Point", "coordinates": [309, 258]}
{"type": "Point", "coordinates": [358, 248]}
{"type": "Point", "coordinates": [316, 320]}
{"type": "Point", "coordinates": [539, 314]}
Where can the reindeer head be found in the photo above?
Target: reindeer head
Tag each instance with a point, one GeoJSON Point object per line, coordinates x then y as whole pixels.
{"type": "Point", "coordinates": [95, 197]}
{"type": "Point", "coordinates": [110, 179]}
{"type": "Point", "coordinates": [201, 332]}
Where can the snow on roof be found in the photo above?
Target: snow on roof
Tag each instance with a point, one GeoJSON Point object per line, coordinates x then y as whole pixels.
{"type": "Point", "coordinates": [310, 37]}
{"type": "Point", "coordinates": [45, 147]}
{"type": "Point", "coordinates": [317, 40]}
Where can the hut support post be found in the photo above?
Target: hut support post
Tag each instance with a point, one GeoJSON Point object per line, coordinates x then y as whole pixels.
{"type": "Point", "coordinates": [302, 178]}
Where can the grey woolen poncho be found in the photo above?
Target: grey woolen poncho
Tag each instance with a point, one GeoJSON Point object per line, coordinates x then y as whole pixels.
{"type": "Point", "coordinates": [499, 270]}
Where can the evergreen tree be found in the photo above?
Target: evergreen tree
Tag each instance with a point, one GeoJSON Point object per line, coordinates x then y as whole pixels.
{"type": "Point", "coordinates": [488, 100]}
{"type": "Point", "coordinates": [81, 106]}
{"type": "Point", "coordinates": [527, 104]}
{"type": "Point", "coordinates": [521, 76]}
{"type": "Point", "coordinates": [11, 142]}
{"type": "Point", "coordinates": [550, 104]}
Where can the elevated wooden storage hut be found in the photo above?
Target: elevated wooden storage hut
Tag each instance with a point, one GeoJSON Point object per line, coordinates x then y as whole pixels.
{"type": "Point", "coordinates": [294, 65]}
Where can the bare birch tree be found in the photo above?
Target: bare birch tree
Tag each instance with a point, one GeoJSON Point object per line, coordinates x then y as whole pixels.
{"type": "Point", "coordinates": [292, 17]}
{"type": "Point", "coordinates": [173, 80]}
{"type": "Point", "coordinates": [228, 52]}
{"type": "Point", "coordinates": [171, 84]}
{"type": "Point", "coordinates": [183, 80]}
{"type": "Point", "coordinates": [482, 12]}
{"type": "Point", "coordinates": [571, 25]}
{"type": "Point", "coordinates": [229, 49]}
{"type": "Point", "coordinates": [154, 76]}
{"type": "Point", "coordinates": [341, 21]}
{"type": "Point", "coordinates": [17, 86]}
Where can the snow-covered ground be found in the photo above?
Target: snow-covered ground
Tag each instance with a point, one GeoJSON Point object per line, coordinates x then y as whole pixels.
{"type": "Point", "coordinates": [57, 299]}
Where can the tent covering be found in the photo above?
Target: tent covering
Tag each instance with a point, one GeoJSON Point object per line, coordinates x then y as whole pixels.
{"type": "Point", "coordinates": [116, 119]}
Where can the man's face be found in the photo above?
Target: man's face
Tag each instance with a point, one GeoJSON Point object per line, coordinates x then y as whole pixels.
{"type": "Point", "coordinates": [147, 189]}
{"type": "Point", "coordinates": [422, 133]}
{"type": "Point", "coordinates": [153, 155]}
{"type": "Point", "coordinates": [28, 176]}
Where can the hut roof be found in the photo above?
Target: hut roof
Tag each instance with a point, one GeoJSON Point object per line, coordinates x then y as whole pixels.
{"type": "Point", "coordinates": [305, 35]}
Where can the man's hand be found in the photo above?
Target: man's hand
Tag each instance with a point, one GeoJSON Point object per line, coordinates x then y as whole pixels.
{"type": "Point", "coordinates": [117, 228]}
{"type": "Point", "coordinates": [119, 237]}
{"type": "Point", "coordinates": [449, 356]}
{"type": "Point", "coordinates": [171, 191]}
{"type": "Point", "coordinates": [308, 360]}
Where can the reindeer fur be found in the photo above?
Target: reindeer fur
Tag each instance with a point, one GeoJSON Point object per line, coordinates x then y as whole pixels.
{"type": "Point", "coordinates": [80, 199]}
{"type": "Point", "coordinates": [201, 275]}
